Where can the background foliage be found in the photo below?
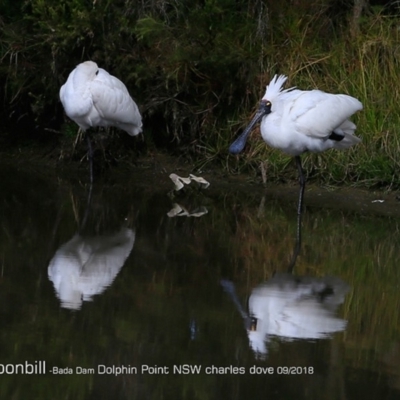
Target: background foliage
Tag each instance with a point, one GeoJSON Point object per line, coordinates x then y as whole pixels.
{"type": "Point", "coordinates": [197, 69]}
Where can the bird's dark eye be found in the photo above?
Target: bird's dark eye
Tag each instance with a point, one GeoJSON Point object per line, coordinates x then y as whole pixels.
{"type": "Point", "coordinates": [265, 106]}
{"type": "Point", "coordinates": [97, 72]}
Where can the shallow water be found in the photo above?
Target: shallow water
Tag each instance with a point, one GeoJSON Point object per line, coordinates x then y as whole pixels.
{"type": "Point", "coordinates": [114, 297]}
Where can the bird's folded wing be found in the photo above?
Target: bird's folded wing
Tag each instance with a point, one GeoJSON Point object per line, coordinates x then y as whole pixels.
{"type": "Point", "coordinates": [317, 114]}
{"type": "Point", "coordinates": [112, 99]}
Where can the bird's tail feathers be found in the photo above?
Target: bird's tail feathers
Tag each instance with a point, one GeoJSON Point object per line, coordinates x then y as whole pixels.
{"type": "Point", "coordinates": [347, 126]}
{"type": "Point", "coordinates": [274, 88]}
{"type": "Point", "coordinates": [347, 130]}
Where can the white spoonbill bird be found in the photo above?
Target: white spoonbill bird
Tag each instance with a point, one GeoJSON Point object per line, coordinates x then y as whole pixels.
{"type": "Point", "coordinates": [92, 97]}
{"type": "Point", "coordinates": [296, 121]}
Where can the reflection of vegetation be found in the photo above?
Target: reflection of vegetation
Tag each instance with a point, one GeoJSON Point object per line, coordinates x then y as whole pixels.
{"type": "Point", "coordinates": [359, 249]}
{"type": "Point", "coordinates": [198, 68]}
{"type": "Point", "coordinates": [166, 306]}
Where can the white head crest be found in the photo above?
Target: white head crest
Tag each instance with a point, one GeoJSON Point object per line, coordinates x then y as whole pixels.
{"type": "Point", "coordinates": [274, 88]}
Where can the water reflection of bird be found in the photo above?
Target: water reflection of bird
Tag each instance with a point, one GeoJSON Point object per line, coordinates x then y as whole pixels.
{"type": "Point", "coordinates": [291, 307]}
{"type": "Point", "coordinates": [92, 97]}
{"type": "Point", "coordinates": [86, 266]}
{"type": "Point", "coordinates": [295, 308]}
{"type": "Point", "coordinates": [297, 121]}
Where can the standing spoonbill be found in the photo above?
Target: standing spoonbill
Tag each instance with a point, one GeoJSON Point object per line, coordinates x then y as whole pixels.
{"type": "Point", "coordinates": [296, 121]}
{"type": "Point", "coordinates": [92, 97]}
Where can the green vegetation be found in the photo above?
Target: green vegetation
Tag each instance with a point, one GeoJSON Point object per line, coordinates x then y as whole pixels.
{"type": "Point", "coordinates": [197, 69]}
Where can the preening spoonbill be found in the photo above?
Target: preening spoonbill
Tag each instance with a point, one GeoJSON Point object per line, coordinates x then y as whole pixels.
{"type": "Point", "coordinates": [92, 97]}
{"type": "Point", "coordinates": [296, 121]}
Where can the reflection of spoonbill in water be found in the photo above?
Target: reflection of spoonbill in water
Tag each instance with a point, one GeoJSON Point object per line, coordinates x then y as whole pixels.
{"type": "Point", "coordinates": [86, 266]}
{"type": "Point", "coordinates": [295, 308]}
{"type": "Point", "coordinates": [92, 97]}
{"type": "Point", "coordinates": [297, 121]}
{"type": "Point", "coordinates": [291, 307]}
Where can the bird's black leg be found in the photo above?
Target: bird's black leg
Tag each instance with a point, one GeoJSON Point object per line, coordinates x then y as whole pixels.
{"type": "Point", "coordinates": [90, 155]}
{"type": "Point", "coordinates": [302, 181]}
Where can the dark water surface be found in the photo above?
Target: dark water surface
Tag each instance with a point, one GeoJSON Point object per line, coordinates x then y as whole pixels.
{"type": "Point", "coordinates": [116, 298]}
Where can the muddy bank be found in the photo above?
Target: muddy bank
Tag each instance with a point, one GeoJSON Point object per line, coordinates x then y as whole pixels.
{"type": "Point", "coordinates": [153, 171]}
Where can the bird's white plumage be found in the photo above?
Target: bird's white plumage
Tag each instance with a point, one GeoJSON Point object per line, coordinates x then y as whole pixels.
{"type": "Point", "coordinates": [302, 121]}
{"type": "Point", "coordinates": [92, 97]}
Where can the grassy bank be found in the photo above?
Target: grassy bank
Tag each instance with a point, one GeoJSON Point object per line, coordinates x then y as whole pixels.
{"type": "Point", "coordinates": [197, 70]}
{"type": "Point", "coordinates": [365, 67]}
